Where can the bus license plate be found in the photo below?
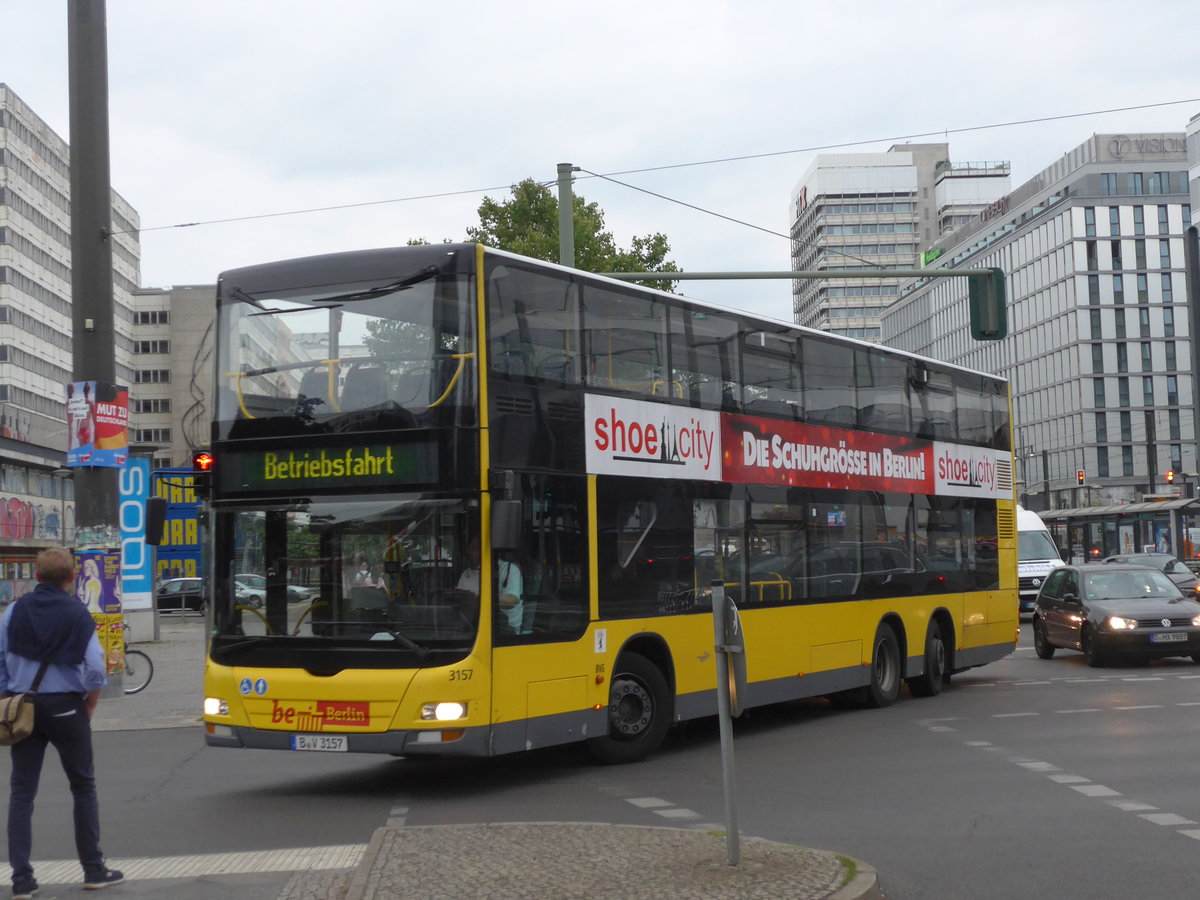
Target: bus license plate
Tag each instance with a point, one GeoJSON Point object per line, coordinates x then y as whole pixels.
{"type": "Point", "coordinates": [333, 743]}
{"type": "Point", "coordinates": [1168, 637]}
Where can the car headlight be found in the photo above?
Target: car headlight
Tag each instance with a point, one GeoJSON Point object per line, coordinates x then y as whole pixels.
{"type": "Point", "coordinates": [1196, 621]}
{"type": "Point", "coordinates": [214, 706]}
{"type": "Point", "coordinates": [446, 711]}
{"type": "Point", "coordinates": [1120, 623]}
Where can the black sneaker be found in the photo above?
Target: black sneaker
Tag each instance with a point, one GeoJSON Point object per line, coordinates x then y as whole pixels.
{"type": "Point", "coordinates": [102, 879]}
{"type": "Point", "coordinates": [25, 890]}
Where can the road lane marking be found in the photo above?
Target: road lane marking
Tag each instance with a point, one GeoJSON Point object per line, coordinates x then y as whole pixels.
{"type": "Point", "coordinates": [1130, 805]}
{"type": "Point", "coordinates": [648, 802]}
{"type": "Point", "coordinates": [1069, 779]}
{"type": "Point", "coordinates": [1015, 715]}
{"type": "Point", "coordinates": [1166, 819]}
{"type": "Point", "coordinates": [1084, 709]}
{"type": "Point", "coordinates": [1095, 790]}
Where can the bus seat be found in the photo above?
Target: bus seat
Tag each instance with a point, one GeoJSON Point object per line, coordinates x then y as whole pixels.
{"type": "Point", "coordinates": [314, 392]}
{"type": "Point", "coordinates": [365, 386]}
{"type": "Point", "coordinates": [412, 389]}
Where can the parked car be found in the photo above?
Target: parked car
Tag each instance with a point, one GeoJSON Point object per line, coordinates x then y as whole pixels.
{"type": "Point", "coordinates": [252, 591]}
{"type": "Point", "coordinates": [1173, 567]}
{"type": "Point", "coordinates": [1118, 609]}
{"type": "Point", "coordinates": [181, 595]}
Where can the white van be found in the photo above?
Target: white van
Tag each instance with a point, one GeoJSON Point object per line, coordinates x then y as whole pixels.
{"type": "Point", "coordinates": [1036, 556]}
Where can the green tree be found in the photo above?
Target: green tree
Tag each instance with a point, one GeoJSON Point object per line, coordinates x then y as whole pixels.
{"type": "Point", "coordinates": [528, 224]}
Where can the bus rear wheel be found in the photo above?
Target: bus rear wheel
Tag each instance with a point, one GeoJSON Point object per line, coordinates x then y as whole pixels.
{"type": "Point", "coordinates": [639, 712]}
{"type": "Point", "coordinates": [929, 683]}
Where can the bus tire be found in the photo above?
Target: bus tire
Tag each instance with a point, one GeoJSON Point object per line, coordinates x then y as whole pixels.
{"type": "Point", "coordinates": [884, 687]}
{"type": "Point", "coordinates": [929, 683]}
{"type": "Point", "coordinates": [639, 712]}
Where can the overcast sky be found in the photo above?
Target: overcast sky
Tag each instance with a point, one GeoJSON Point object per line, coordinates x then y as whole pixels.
{"type": "Point", "coordinates": [222, 109]}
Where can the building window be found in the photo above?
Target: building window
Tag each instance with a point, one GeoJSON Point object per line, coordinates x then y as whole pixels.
{"type": "Point", "coordinates": [1126, 427]}
{"type": "Point", "coordinates": [1176, 457]}
{"type": "Point", "coordinates": [152, 317]}
{"type": "Point", "coordinates": [1146, 357]}
{"type": "Point", "coordinates": [152, 376]}
{"type": "Point", "coordinates": [1144, 322]}
{"type": "Point", "coordinates": [1126, 460]}
{"type": "Point", "coordinates": [1143, 291]}
{"type": "Point", "coordinates": [1098, 359]}
{"type": "Point", "coordinates": [1102, 427]}
{"type": "Point", "coordinates": [1173, 423]}
{"type": "Point", "coordinates": [1092, 263]}
{"type": "Point", "coordinates": [1164, 254]}
{"type": "Point", "coordinates": [1116, 256]}
{"type": "Point", "coordinates": [1089, 221]}
{"type": "Point", "coordinates": [1122, 357]}
{"type": "Point", "coordinates": [152, 435]}
{"type": "Point", "coordinates": [1123, 392]}
{"type": "Point", "coordinates": [1133, 183]}
{"type": "Point", "coordinates": [1102, 462]}
{"type": "Point", "coordinates": [1167, 292]}
{"type": "Point", "coordinates": [1120, 320]}
{"type": "Point", "coordinates": [1094, 290]}
{"type": "Point", "coordinates": [1139, 254]}
{"type": "Point", "coordinates": [1108, 184]}
{"type": "Point", "coordinates": [1114, 220]}
{"type": "Point", "coordinates": [1139, 220]}
{"type": "Point", "coordinates": [151, 346]}
{"type": "Point", "coordinates": [1097, 332]}
{"type": "Point", "coordinates": [1172, 362]}
{"type": "Point", "coordinates": [1159, 183]}
{"type": "Point", "coordinates": [157, 405]}
{"type": "Point", "coordinates": [1119, 290]}
{"type": "Point", "coordinates": [1169, 322]}
{"type": "Point", "coordinates": [1147, 390]}
{"type": "Point", "coordinates": [1163, 223]}
{"type": "Point", "coordinates": [1098, 393]}
{"type": "Point", "coordinates": [1172, 391]}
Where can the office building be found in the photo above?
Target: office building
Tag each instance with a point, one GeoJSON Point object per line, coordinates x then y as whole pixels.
{"type": "Point", "coordinates": [862, 211]}
{"type": "Point", "coordinates": [1099, 350]}
{"type": "Point", "coordinates": [36, 508]}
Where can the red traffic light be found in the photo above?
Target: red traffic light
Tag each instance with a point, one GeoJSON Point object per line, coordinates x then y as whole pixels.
{"type": "Point", "coordinates": [202, 462]}
{"type": "Point", "coordinates": [1170, 476]}
{"type": "Point", "coordinates": [1079, 476]}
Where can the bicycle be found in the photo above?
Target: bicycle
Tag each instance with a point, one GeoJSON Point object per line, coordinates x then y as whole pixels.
{"type": "Point", "coordinates": [139, 668]}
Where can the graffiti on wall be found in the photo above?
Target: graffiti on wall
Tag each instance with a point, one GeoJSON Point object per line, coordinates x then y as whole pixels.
{"type": "Point", "coordinates": [21, 518]}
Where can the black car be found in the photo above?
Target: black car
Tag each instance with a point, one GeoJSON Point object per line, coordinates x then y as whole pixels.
{"type": "Point", "coordinates": [1171, 566]}
{"type": "Point", "coordinates": [1116, 609]}
{"type": "Point", "coordinates": [181, 595]}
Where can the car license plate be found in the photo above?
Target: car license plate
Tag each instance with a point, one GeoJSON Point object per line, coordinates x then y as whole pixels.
{"type": "Point", "coordinates": [1168, 637]}
{"type": "Point", "coordinates": [334, 743]}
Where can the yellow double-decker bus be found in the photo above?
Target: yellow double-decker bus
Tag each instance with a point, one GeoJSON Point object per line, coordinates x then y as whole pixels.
{"type": "Point", "coordinates": [486, 500]}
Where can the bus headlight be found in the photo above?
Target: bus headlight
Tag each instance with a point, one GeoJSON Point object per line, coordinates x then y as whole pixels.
{"type": "Point", "coordinates": [1120, 623]}
{"type": "Point", "coordinates": [215, 706]}
{"type": "Point", "coordinates": [446, 711]}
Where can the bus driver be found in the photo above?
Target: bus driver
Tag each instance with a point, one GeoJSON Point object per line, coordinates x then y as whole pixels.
{"type": "Point", "coordinates": [509, 579]}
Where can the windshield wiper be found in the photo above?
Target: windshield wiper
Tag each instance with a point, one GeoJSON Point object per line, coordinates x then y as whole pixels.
{"type": "Point", "coordinates": [407, 642]}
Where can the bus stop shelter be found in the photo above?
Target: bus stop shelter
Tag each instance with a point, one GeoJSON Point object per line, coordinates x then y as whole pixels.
{"type": "Point", "coordinates": [1160, 526]}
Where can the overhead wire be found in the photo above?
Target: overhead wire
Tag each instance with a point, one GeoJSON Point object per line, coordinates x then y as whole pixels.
{"type": "Point", "coordinates": [662, 168]}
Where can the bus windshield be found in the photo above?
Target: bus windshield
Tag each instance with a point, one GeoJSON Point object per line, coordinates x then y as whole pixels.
{"type": "Point", "coordinates": [364, 354]}
{"type": "Point", "coordinates": [349, 572]}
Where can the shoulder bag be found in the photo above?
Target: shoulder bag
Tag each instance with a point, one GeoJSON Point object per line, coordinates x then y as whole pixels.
{"type": "Point", "coordinates": [16, 713]}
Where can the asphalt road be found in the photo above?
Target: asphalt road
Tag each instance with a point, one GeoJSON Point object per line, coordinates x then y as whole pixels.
{"type": "Point", "coordinates": [1026, 778]}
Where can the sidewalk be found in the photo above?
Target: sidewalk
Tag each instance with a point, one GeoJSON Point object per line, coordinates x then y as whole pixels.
{"type": "Point", "coordinates": [175, 693]}
{"type": "Point", "coordinates": [545, 861]}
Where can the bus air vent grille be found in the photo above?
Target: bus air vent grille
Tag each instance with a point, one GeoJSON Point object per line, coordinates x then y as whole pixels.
{"type": "Point", "coordinates": [1006, 526]}
{"type": "Point", "coordinates": [514, 406]}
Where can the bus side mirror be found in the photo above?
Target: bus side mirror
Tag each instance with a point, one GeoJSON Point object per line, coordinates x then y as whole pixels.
{"type": "Point", "coordinates": [506, 524]}
{"type": "Point", "coordinates": [156, 516]}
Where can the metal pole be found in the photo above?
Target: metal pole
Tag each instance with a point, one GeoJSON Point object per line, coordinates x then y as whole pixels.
{"type": "Point", "coordinates": [93, 337]}
{"type": "Point", "coordinates": [566, 216]}
{"type": "Point", "coordinates": [733, 850]}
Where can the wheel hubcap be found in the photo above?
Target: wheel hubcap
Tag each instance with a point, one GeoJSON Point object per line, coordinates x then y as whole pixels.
{"type": "Point", "coordinates": [631, 708]}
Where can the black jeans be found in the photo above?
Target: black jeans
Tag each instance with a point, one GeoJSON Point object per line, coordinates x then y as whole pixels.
{"type": "Point", "coordinates": [60, 720]}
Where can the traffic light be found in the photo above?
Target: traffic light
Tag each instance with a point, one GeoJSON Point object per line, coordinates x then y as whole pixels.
{"type": "Point", "coordinates": [987, 305]}
{"type": "Point", "coordinates": [202, 464]}
{"type": "Point", "coordinates": [1079, 476]}
{"type": "Point", "coordinates": [1170, 476]}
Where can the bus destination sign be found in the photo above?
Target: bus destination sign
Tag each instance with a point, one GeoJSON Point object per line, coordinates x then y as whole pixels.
{"type": "Point", "coordinates": [330, 468]}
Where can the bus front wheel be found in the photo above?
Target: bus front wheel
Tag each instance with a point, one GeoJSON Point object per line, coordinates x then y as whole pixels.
{"type": "Point", "coordinates": [639, 712]}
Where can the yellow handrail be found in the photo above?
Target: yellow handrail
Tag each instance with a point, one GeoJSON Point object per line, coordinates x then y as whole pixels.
{"type": "Point", "coordinates": [462, 362]}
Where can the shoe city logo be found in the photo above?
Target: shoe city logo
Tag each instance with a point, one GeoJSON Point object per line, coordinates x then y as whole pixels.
{"type": "Point", "coordinates": [650, 433]}
{"type": "Point", "coordinates": [321, 714]}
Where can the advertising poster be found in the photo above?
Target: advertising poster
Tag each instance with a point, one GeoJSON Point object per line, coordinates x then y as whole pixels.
{"type": "Point", "coordinates": [97, 424]}
{"type": "Point", "coordinates": [137, 556]}
{"type": "Point", "coordinates": [98, 586]}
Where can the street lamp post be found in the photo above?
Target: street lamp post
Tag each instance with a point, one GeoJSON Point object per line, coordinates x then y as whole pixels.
{"type": "Point", "coordinates": [61, 476]}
